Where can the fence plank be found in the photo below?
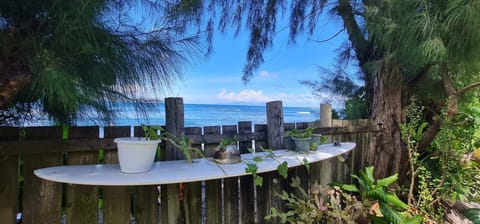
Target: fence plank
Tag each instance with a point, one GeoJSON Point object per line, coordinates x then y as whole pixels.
{"type": "Point", "coordinates": [265, 195]}
{"type": "Point", "coordinates": [116, 200]}
{"type": "Point", "coordinates": [231, 188]}
{"type": "Point", "coordinates": [274, 183]}
{"type": "Point", "coordinates": [261, 130]}
{"type": "Point", "coordinates": [300, 172]}
{"type": "Point", "coordinates": [170, 204]}
{"type": "Point", "coordinates": [213, 201]}
{"type": "Point", "coordinates": [301, 125]}
{"type": "Point", "coordinates": [193, 191]}
{"type": "Point", "coordinates": [213, 188]}
{"type": "Point", "coordinates": [9, 171]}
{"type": "Point", "coordinates": [9, 133]}
{"type": "Point", "coordinates": [81, 200]}
{"type": "Point", "coordinates": [9, 188]}
{"type": "Point", "coordinates": [232, 198]}
{"type": "Point", "coordinates": [146, 204]}
{"type": "Point", "coordinates": [247, 200]}
{"type": "Point", "coordinates": [41, 198]}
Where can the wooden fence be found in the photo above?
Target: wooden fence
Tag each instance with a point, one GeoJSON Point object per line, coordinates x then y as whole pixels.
{"type": "Point", "coordinates": [229, 200]}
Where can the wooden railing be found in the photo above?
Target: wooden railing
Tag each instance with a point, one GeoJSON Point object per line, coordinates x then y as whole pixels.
{"type": "Point", "coordinates": [229, 200]}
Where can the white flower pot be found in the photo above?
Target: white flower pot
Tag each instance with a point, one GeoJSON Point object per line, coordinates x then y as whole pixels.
{"type": "Point", "coordinates": [136, 155]}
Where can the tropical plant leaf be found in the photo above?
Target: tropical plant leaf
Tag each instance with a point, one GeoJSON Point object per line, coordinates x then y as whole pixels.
{"type": "Point", "coordinates": [360, 181]}
{"type": "Point", "coordinates": [415, 220]}
{"type": "Point", "coordinates": [283, 169]}
{"type": "Point", "coordinates": [392, 199]}
{"type": "Point", "coordinates": [420, 130]}
{"type": "Point", "coordinates": [378, 220]}
{"type": "Point", "coordinates": [251, 168]}
{"type": "Point", "coordinates": [349, 187]}
{"type": "Point", "coordinates": [367, 177]}
{"type": "Point", "coordinates": [387, 181]}
{"type": "Point", "coordinates": [473, 215]}
{"type": "Point", "coordinates": [391, 215]}
{"type": "Point", "coordinates": [377, 194]}
{"type": "Point", "coordinates": [258, 180]}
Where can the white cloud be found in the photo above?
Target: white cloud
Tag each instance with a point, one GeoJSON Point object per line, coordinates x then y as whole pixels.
{"type": "Point", "coordinates": [267, 74]}
{"type": "Point", "coordinates": [244, 96]}
{"type": "Point", "coordinates": [251, 96]}
{"type": "Point", "coordinates": [302, 100]}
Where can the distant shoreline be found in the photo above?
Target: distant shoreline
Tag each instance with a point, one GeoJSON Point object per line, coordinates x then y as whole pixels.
{"type": "Point", "coordinates": [195, 115]}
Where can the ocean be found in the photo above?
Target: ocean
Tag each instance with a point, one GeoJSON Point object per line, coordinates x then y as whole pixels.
{"type": "Point", "coordinates": [197, 115]}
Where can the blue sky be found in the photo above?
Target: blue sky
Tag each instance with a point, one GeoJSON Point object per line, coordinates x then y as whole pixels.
{"type": "Point", "coordinates": [217, 79]}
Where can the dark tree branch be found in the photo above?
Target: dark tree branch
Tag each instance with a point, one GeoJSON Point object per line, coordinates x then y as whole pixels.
{"type": "Point", "coordinates": [355, 34]}
{"type": "Point", "coordinates": [421, 75]}
{"type": "Point", "coordinates": [467, 88]}
{"type": "Point", "coordinates": [328, 39]}
{"type": "Point", "coordinates": [430, 134]}
{"type": "Point", "coordinates": [452, 99]}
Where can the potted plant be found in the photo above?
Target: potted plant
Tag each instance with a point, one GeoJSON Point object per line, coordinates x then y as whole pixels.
{"type": "Point", "coordinates": [317, 138]}
{"type": "Point", "coordinates": [227, 152]}
{"type": "Point", "coordinates": [303, 140]}
{"type": "Point", "coordinates": [287, 139]}
{"type": "Point", "coordinates": [136, 154]}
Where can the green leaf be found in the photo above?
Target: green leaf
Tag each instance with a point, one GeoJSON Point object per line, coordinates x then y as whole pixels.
{"type": "Point", "coordinates": [306, 164]}
{"type": "Point", "coordinates": [377, 194]}
{"type": "Point", "coordinates": [387, 181]}
{"type": "Point", "coordinates": [420, 130]}
{"type": "Point", "coordinates": [378, 220]}
{"type": "Point", "coordinates": [392, 199]}
{"type": "Point", "coordinates": [251, 168]}
{"type": "Point", "coordinates": [415, 220]}
{"type": "Point", "coordinates": [257, 159]}
{"type": "Point", "coordinates": [349, 187]}
{"type": "Point", "coordinates": [473, 215]}
{"type": "Point", "coordinates": [283, 169]}
{"type": "Point", "coordinates": [258, 180]}
{"type": "Point", "coordinates": [391, 215]}
{"type": "Point", "coordinates": [367, 177]}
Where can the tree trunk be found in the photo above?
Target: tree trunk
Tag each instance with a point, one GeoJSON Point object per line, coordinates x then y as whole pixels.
{"type": "Point", "coordinates": [387, 153]}
{"type": "Point", "coordinates": [12, 81]}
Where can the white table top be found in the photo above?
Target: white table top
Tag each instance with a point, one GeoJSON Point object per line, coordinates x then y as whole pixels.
{"type": "Point", "coordinates": [178, 171]}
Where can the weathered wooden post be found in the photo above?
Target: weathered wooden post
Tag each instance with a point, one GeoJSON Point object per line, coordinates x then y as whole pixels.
{"type": "Point", "coordinates": [322, 171]}
{"type": "Point", "coordinates": [272, 181]}
{"type": "Point", "coordinates": [275, 124]}
{"type": "Point", "coordinates": [325, 115]}
{"type": "Point", "coordinates": [170, 193]}
{"type": "Point", "coordinates": [174, 124]}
